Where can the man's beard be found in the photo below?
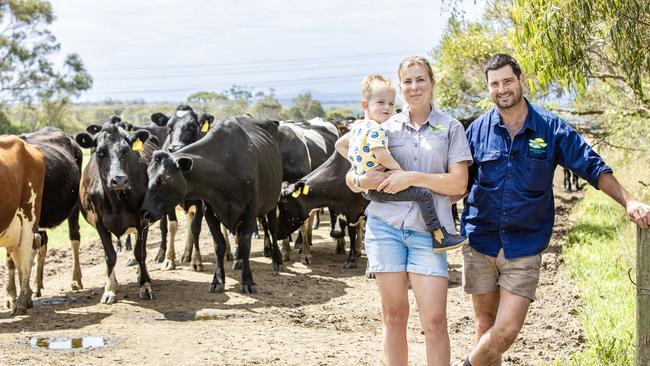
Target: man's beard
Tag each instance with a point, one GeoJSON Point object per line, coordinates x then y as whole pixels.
{"type": "Point", "coordinates": [513, 100]}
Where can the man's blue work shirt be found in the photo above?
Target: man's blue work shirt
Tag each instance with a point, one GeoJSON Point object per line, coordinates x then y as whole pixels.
{"type": "Point", "coordinates": [510, 202]}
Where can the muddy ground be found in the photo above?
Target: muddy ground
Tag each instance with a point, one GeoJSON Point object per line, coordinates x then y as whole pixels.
{"type": "Point", "coordinates": [320, 314]}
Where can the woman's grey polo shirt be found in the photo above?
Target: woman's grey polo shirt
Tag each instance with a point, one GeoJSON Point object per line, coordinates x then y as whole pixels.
{"type": "Point", "coordinates": [440, 141]}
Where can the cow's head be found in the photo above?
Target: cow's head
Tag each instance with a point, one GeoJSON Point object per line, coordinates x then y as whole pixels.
{"type": "Point", "coordinates": [292, 212]}
{"type": "Point", "coordinates": [167, 185]}
{"type": "Point", "coordinates": [117, 154]}
{"type": "Point", "coordinates": [184, 125]}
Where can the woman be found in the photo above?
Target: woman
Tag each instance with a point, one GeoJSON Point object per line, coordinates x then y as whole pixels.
{"type": "Point", "coordinates": [433, 151]}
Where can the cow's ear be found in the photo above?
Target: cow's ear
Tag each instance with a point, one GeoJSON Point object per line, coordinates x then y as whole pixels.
{"type": "Point", "coordinates": [93, 129]}
{"type": "Point", "coordinates": [205, 121]}
{"type": "Point", "coordinates": [159, 119]}
{"type": "Point", "coordinates": [184, 164]}
{"type": "Point", "coordinates": [137, 138]}
{"type": "Point", "coordinates": [85, 140]}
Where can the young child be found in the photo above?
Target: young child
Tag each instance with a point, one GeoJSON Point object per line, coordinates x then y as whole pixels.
{"type": "Point", "coordinates": [365, 146]}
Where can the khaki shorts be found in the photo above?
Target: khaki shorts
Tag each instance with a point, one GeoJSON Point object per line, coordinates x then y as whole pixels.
{"type": "Point", "coordinates": [484, 274]}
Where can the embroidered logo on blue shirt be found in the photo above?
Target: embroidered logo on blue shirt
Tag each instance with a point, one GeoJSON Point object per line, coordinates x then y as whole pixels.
{"type": "Point", "coordinates": [438, 129]}
{"type": "Point", "coordinates": [537, 148]}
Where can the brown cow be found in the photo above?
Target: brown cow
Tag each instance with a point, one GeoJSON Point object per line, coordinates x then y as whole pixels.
{"type": "Point", "coordinates": [22, 175]}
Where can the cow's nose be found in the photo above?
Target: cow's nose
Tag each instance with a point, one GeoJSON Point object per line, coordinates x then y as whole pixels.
{"type": "Point", "coordinates": [119, 182]}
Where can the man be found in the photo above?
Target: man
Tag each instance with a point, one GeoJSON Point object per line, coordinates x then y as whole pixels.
{"type": "Point", "coordinates": [509, 213]}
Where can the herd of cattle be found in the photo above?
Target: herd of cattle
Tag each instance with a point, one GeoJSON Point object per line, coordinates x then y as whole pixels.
{"type": "Point", "coordinates": [232, 173]}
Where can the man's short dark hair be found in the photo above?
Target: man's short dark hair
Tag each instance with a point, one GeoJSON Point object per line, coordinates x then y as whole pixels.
{"type": "Point", "coordinates": [500, 60]}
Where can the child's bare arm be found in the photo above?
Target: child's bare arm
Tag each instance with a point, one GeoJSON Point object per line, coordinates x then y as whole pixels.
{"type": "Point", "coordinates": [342, 145]}
{"type": "Point", "coordinates": [384, 158]}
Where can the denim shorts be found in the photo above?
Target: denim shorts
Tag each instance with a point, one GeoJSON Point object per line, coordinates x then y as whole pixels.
{"type": "Point", "coordinates": [400, 250]}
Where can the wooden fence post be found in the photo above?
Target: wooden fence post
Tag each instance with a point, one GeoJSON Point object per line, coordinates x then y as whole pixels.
{"type": "Point", "coordinates": [642, 296]}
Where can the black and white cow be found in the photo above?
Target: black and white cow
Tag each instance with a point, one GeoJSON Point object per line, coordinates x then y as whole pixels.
{"type": "Point", "coordinates": [63, 159]}
{"type": "Point", "coordinates": [186, 127]}
{"type": "Point", "coordinates": [113, 186]}
{"type": "Point", "coordinates": [304, 147]}
{"type": "Point", "coordinates": [324, 187]}
{"type": "Point", "coordinates": [236, 171]}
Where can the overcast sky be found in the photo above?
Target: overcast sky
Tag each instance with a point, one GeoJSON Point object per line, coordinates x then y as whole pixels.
{"type": "Point", "coordinates": [165, 50]}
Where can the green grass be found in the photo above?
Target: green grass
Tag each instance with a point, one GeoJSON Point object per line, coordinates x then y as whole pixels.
{"type": "Point", "coordinates": [600, 250]}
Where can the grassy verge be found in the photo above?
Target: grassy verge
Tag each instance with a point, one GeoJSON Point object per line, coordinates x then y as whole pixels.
{"type": "Point", "coordinates": [601, 249]}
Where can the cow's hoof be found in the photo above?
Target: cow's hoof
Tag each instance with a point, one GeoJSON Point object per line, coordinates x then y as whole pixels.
{"type": "Point", "coordinates": [118, 249]}
{"type": "Point", "coordinates": [350, 265]}
{"type": "Point", "coordinates": [197, 267]}
{"type": "Point", "coordinates": [237, 264]}
{"type": "Point", "coordinates": [286, 256]}
{"type": "Point", "coordinates": [229, 257]}
{"type": "Point", "coordinates": [76, 285]}
{"type": "Point", "coordinates": [160, 257]}
{"type": "Point", "coordinates": [131, 262]}
{"type": "Point", "coordinates": [248, 289]}
{"type": "Point", "coordinates": [187, 257]}
{"type": "Point", "coordinates": [217, 288]}
{"type": "Point", "coordinates": [108, 297]}
{"type": "Point", "coordinates": [168, 265]}
{"type": "Point", "coordinates": [370, 275]}
{"type": "Point", "coordinates": [255, 236]}
{"type": "Point", "coordinates": [339, 250]}
{"type": "Point", "coordinates": [19, 310]}
{"type": "Point", "coordinates": [146, 292]}
{"type": "Point", "coordinates": [11, 304]}
{"type": "Point", "coordinates": [37, 293]}
{"type": "Point", "coordinates": [277, 267]}
{"type": "Point", "coordinates": [306, 259]}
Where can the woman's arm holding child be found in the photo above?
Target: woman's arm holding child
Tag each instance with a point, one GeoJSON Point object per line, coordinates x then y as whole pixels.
{"type": "Point", "coordinates": [385, 158]}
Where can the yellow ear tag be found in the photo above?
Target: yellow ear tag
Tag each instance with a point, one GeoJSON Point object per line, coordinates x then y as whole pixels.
{"type": "Point", "coordinates": [305, 190]}
{"type": "Point", "coordinates": [137, 145]}
{"type": "Point", "coordinates": [205, 127]}
{"type": "Point", "coordinates": [295, 193]}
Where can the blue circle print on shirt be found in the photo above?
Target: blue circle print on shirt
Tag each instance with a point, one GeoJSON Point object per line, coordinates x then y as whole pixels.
{"type": "Point", "coordinates": [370, 164]}
{"type": "Point", "coordinates": [359, 158]}
{"type": "Point", "coordinates": [374, 134]}
{"type": "Point", "coordinates": [366, 149]}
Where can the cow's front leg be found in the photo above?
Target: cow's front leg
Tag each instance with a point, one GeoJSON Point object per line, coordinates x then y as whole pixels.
{"type": "Point", "coordinates": [351, 262]}
{"type": "Point", "coordinates": [41, 252]}
{"type": "Point", "coordinates": [110, 289]}
{"type": "Point", "coordinates": [306, 233]}
{"type": "Point", "coordinates": [276, 254]}
{"type": "Point", "coordinates": [286, 248]}
{"type": "Point", "coordinates": [11, 283]}
{"type": "Point", "coordinates": [140, 251]}
{"type": "Point", "coordinates": [162, 250]}
{"type": "Point", "coordinates": [224, 231]}
{"type": "Point", "coordinates": [75, 237]}
{"type": "Point", "coordinates": [170, 254]}
{"type": "Point", "coordinates": [23, 257]}
{"type": "Point", "coordinates": [189, 238]}
{"type": "Point", "coordinates": [218, 284]}
{"type": "Point", "coordinates": [244, 248]}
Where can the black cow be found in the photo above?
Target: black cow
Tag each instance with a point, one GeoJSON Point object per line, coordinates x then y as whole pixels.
{"type": "Point", "coordinates": [184, 128]}
{"type": "Point", "coordinates": [324, 187]}
{"type": "Point", "coordinates": [63, 159]}
{"type": "Point", "coordinates": [304, 147]}
{"type": "Point", "coordinates": [113, 186]}
{"type": "Point", "coordinates": [571, 179]}
{"type": "Point", "coordinates": [237, 172]}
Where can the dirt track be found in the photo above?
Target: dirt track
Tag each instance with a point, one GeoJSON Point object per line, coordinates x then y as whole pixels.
{"type": "Point", "coordinates": [319, 314]}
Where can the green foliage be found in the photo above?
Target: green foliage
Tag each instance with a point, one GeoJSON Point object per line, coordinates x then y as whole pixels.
{"type": "Point", "coordinates": [307, 106]}
{"type": "Point", "coordinates": [338, 114]}
{"type": "Point", "coordinates": [571, 42]}
{"type": "Point", "coordinates": [459, 58]}
{"type": "Point", "coordinates": [267, 107]}
{"type": "Point", "coordinates": [26, 73]}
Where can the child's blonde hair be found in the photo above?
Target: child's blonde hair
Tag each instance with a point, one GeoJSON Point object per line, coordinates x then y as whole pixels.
{"type": "Point", "coordinates": [373, 84]}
